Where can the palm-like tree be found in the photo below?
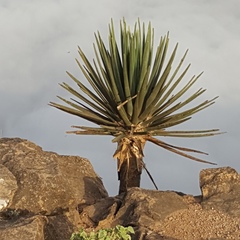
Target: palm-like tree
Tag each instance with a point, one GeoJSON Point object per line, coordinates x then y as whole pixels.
{"type": "Point", "coordinates": [133, 97]}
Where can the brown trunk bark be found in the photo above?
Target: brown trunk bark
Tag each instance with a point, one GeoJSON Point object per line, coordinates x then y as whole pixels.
{"type": "Point", "coordinates": [129, 175]}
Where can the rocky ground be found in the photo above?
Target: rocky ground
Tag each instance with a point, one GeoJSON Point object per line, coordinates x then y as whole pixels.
{"type": "Point", "coordinates": [190, 223]}
{"type": "Point", "coordinates": [197, 223]}
{"type": "Point", "coordinates": [46, 196]}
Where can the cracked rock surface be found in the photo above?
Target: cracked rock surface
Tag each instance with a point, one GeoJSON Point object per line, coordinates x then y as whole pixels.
{"type": "Point", "coordinates": [46, 196]}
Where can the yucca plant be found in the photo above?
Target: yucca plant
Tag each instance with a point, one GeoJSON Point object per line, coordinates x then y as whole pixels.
{"type": "Point", "coordinates": [133, 97]}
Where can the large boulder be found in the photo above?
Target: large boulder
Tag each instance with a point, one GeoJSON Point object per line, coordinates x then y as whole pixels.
{"type": "Point", "coordinates": [8, 186]}
{"type": "Point", "coordinates": [145, 207]}
{"type": "Point", "coordinates": [141, 208]}
{"type": "Point", "coordinates": [221, 190]}
{"type": "Point", "coordinates": [33, 182]}
{"type": "Point", "coordinates": [22, 229]}
{"type": "Point", "coordinates": [48, 182]}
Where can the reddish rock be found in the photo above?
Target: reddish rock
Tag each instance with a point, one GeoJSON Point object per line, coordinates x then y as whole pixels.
{"type": "Point", "coordinates": [23, 229]}
{"type": "Point", "coordinates": [221, 190]}
{"type": "Point", "coordinates": [48, 182]}
{"type": "Point", "coordinates": [8, 186]}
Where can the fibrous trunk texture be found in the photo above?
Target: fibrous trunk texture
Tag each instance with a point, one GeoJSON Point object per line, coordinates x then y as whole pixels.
{"type": "Point", "coordinates": [129, 156]}
{"type": "Point", "coordinates": [129, 174]}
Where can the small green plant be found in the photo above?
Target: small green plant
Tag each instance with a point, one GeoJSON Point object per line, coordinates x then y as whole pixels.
{"type": "Point", "coordinates": [116, 233]}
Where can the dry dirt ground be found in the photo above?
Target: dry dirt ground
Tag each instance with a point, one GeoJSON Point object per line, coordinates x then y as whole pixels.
{"type": "Point", "coordinates": [196, 223]}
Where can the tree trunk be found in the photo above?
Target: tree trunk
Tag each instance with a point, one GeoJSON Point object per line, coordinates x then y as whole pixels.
{"type": "Point", "coordinates": [129, 174]}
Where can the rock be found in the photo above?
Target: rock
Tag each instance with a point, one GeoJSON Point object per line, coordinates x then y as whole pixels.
{"type": "Point", "coordinates": [24, 228]}
{"type": "Point", "coordinates": [145, 207]}
{"type": "Point", "coordinates": [101, 214]}
{"type": "Point", "coordinates": [214, 181]}
{"type": "Point", "coordinates": [221, 190]}
{"type": "Point", "coordinates": [154, 236]}
{"type": "Point", "coordinates": [140, 208]}
{"type": "Point", "coordinates": [48, 182]}
{"type": "Point", "coordinates": [59, 227]}
{"type": "Point", "coordinates": [23, 224]}
{"type": "Point", "coordinates": [8, 186]}
{"type": "Point", "coordinates": [46, 196]}
{"type": "Point", "coordinates": [37, 186]}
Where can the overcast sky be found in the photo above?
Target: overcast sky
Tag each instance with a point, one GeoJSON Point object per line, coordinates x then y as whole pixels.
{"type": "Point", "coordinates": [38, 43]}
